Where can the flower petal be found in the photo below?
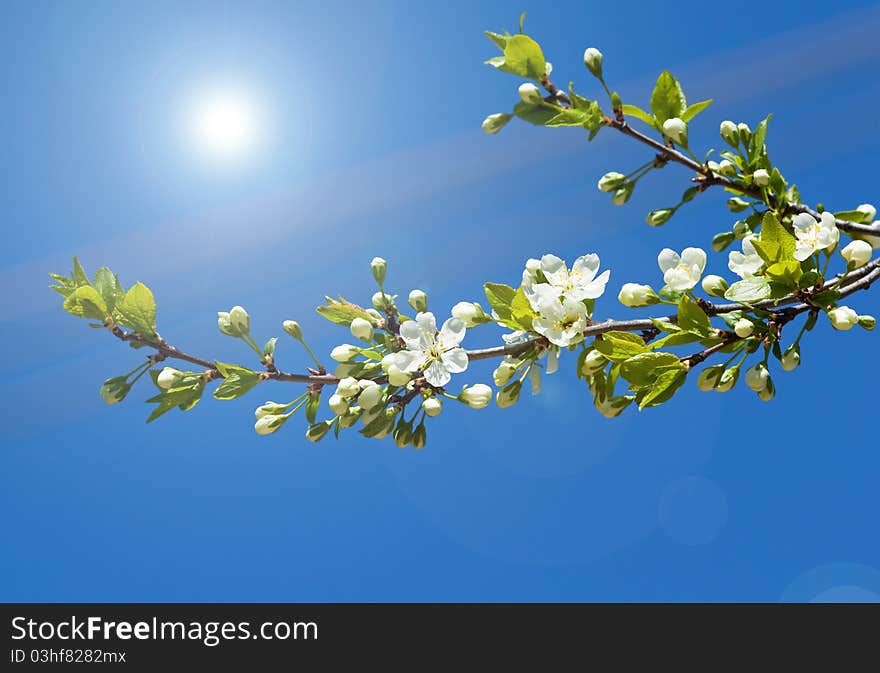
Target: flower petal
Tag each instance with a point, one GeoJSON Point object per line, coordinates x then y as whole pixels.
{"type": "Point", "coordinates": [437, 375]}
{"type": "Point", "coordinates": [694, 257]}
{"type": "Point", "coordinates": [455, 360]}
{"type": "Point", "coordinates": [596, 288]}
{"type": "Point", "coordinates": [451, 333]}
{"type": "Point", "coordinates": [586, 267]}
{"type": "Point", "coordinates": [668, 259]}
{"type": "Point", "coordinates": [426, 322]}
{"type": "Point", "coordinates": [410, 361]}
{"type": "Point", "coordinates": [803, 221]}
{"type": "Point", "coordinates": [411, 334]}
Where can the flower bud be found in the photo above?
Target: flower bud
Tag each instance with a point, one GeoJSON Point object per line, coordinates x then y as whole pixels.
{"type": "Point", "coordinates": [381, 301]}
{"type": "Point", "coordinates": [791, 358]}
{"type": "Point", "coordinates": [375, 314]}
{"type": "Point", "coordinates": [530, 93]}
{"type": "Point", "coordinates": [370, 397]}
{"type": "Point", "coordinates": [293, 329]}
{"type": "Point", "coordinates": [757, 377]}
{"type": "Point", "coordinates": [593, 60]}
{"type": "Point", "coordinates": [396, 377]}
{"type": "Point", "coordinates": [767, 392]}
{"type": "Point", "coordinates": [761, 177]}
{"type": "Point", "coordinates": [270, 409]}
{"type": "Point", "coordinates": [743, 130]}
{"type": "Point", "coordinates": [657, 217]}
{"type": "Point", "coordinates": [726, 168]}
{"type": "Point", "coordinates": [736, 204]}
{"type": "Point", "coordinates": [856, 254]}
{"type": "Point", "coordinates": [432, 406]}
{"type": "Point", "coordinates": [503, 373]}
{"type": "Point", "coordinates": [867, 322]}
{"type": "Point", "coordinates": [168, 378]}
{"type": "Point", "coordinates": [722, 240]}
{"type": "Point", "coordinates": [727, 380]}
{"type": "Point", "coordinates": [676, 130]}
{"type": "Point", "coordinates": [338, 404]}
{"type": "Point", "coordinates": [268, 424]}
{"type": "Point", "coordinates": [621, 194]}
{"type": "Point", "coordinates": [494, 123]}
{"type": "Point", "coordinates": [714, 286]}
{"type": "Point", "coordinates": [378, 266]}
{"type": "Point", "coordinates": [469, 313]}
{"type": "Point", "coordinates": [507, 397]}
{"type": "Point", "coordinates": [744, 328]}
{"type": "Point", "coordinates": [348, 419]}
{"type": "Point", "coordinates": [225, 324]}
{"type": "Point", "coordinates": [418, 300]}
{"type": "Point", "coordinates": [316, 432]}
{"type": "Point", "coordinates": [593, 362]}
{"type": "Point", "coordinates": [710, 377]}
{"type": "Point", "coordinates": [868, 210]}
{"type": "Point", "coordinates": [402, 435]}
{"type": "Point", "coordinates": [729, 133]}
{"type": "Point", "coordinates": [240, 320]}
{"type": "Point", "coordinates": [114, 390]}
{"type": "Point", "coordinates": [344, 352]}
{"type": "Point", "coordinates": [613, 407]}
{"type": "Point", "coordinates": [419, 436]}
{"type": "Point", "coordinates": [476, 396]}
{"type": "Point", "coordinates": [361, 329]}
{"type": "Point", "coordinates": [636, 296]}
{"type": "Point", "coordinates": [843, 318]}
{"type": "Point", "coordinates": [741, 229]}
{"type": "Point", "coordinates": [611, 181]}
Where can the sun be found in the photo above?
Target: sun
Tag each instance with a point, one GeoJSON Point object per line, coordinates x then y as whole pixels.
{"type": "Point", "coordinates": [225, 124]}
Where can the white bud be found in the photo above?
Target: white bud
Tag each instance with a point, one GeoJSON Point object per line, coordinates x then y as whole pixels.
{"type": "Point", "coordinates": [727, 168]}
{"type": "Point", "coordinates": [292, 328]}
{"type": "Point", "coordinates": [843, 318]}
{"type": "Point", "coordinates": [503, 373]}
{"type": "Point", "coordinates": [316, 432]}
{"type": "Point", "coordinates": [396, 377]}
{"type": "Point", "coordinates": [868, 210]}
{"type": "Point", "coordinates": [621, 194]}
{"type": "Point", "coordinates": [867, 322]}
{"type": "Point", "coordinates": [361, 329]}
{"type": "Point", "coordinates": [344, 352]}
{"type": "Point", "coordinates": [348, 387]}
{"type": "Point", "coordinates": [240, 319]}
{"type": "Point", "coordinates": [469, 313]}
{"type": "Point", "coordinates": [476, 396]}
{"type": "Point", "coordinates": [418, 300]}
{"type": "Point", "coordinates": [370, 397]}
{"type": "Point", "coordinates": [378, 266]}
{"type": "Point", "coordinates": [381, 300]}
{"type": "Point", "coordinates": [856, 254]}
{"type": "Point", "coordinates": [593, 362]}
{"type": "Point", "coordinates": [610, 181]}
{"type": "Point", "coordinates": [714, 286]}
{"type": "Point", "coordinates": [635, 295]}
{"type": "Point", "coordinates": [593, 61]}
{"type": "Point", "coordinates": [757, 377]}
{"type": "Point", "coordinates": [676, 130]}
{"type": "Point", "coordinates": [266, 425]}
{"type": "Point", "coordinates": [168, 378]}
{"type": "Point", "coordinates": [508, 396]}
{"type": "Point", "coordinates": [225, 324]}
{"type": "Point", "coordinates": [494, 123]}
{"type": "Point", "coordinates": [767, 392]}
{"type": "Point", "coordinates": [348, 419]}
{"type": "Point", "coordinates": [791, 358]}
{"type": "Point", "coordinates": [743, 129]}
{"type": "Point", "coordinates": [114, 390]}
{"type": "Point", "coordinates": [744, 328]}
{"type": "Point", "coordinates": [727, 380]}
{"type": "Point", "coordinates": [729, 132]}
{"type": "Point", "coordinates": [432, 406]}
{"type": "Point", "coordinates": [761, 177]}
{"type": "Point", "coordinates": [709, 377]}
{"type": "Point", "coordinates": [530, 93]}
{"type": "Point", "coordinates": [338, 404]}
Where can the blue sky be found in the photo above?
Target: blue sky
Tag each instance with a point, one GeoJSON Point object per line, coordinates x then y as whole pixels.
{"type": "Point", "coordinates": [372, 147]}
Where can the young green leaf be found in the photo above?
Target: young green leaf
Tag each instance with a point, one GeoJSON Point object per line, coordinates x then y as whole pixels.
{"type": "Point", "coordinates": [667, 100]}
{"type": "Point", "coordinates": [137, 310]}
{"type": "Point", "coordinates": [85, 302]}
{"type": "Point", "coordinates": [638, 113]}
{"type": "Point", "coordinates": [691, 317]}
{"type": "Point", "coordinates": [693, 110]}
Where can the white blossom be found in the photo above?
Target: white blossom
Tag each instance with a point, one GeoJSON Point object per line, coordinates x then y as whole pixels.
{"type": "Point", "coordinates": [747, 263]}
{"type": "Point", "coordinates": [530, 93]}
{"type": "Point", "coordinates": [761, 177]}
{"type": "Point", "coordinates": [559, 282]}
{"type": "Point", "coordinates": [437, 353]}
{"type": "Point", "coordinates": [634, 295]}
{"type": "Point", "coordinates": [476, 396]}
{"type": "Point", "coordinates": [744, 328]}
{"type": "Point", "coordinates": [676, 130]}
{"type": "Point", "coordinates": [856, 253]}
{"type": "Point", "coordinates": [814, 235]}
{"type": "Point", "coordinates": [682, 272]}
{"type": "Point", "coordinates": [432, 406]}
{"type": "Point", "coordinates": [843, 318]}
{"type": "Point", "coordinates": [562, 322]}
{"type": "Point", "coordinates": [168, 378]}
{"type": "Point", "coordinates": [361, 329]}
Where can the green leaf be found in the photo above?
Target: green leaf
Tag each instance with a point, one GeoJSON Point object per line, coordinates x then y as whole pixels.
{"type": "Point", "coordinates": [85, 302]}
{"type": "Point", "coordinates": [749, 290]}
{"type": "Point", "coordinates": [691, 317]}
{"type": "Point", "coordinates": [643, 369]}
{"type": "Point", "coordinates": [79, 274]}
{"type": "Point", "coordinates": [788, 273]}
{"type": "Point", "coordinates": [521, 310]}
{"type": "Point", "coordinates": [667, 100]}
{"type": "Point", "coordinates": [756, 142]}
{"type": "Point", "coordinates": [857, 216]}
{"type": "Point", "coordinates": [342, 312]}
{"type": "Point", "coordinates": [663, 388]}
{"type": "Point", "coordinates": [620, 346]}
{"type": "Point", "coordinates": [236, 381]}
{"type": "Point", "coordinates": [137, 310]}
{"type": "Point", "coordinates": [183, 397]}
{"type": "Point", "coordinates": [500, 298]}
{"type": "Point", "coordinates": [523, 57]}
{"type": "Point", "coordinates": [107, 285]}
{"type": "Point", "coordinates": [499, 39]}
{"type": "Point", "coordinates": [693, 110]}
{"type": "Point", "coordinates": [772, 230]}
{"type": "Point", "coordinates": [538, 114]}
{"type": "Point", "coordinates": [638, 113]}
{"type": "Point", "coordinates": [676, 339]}
{"type": "Point", "coordinates": [312, 407]}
